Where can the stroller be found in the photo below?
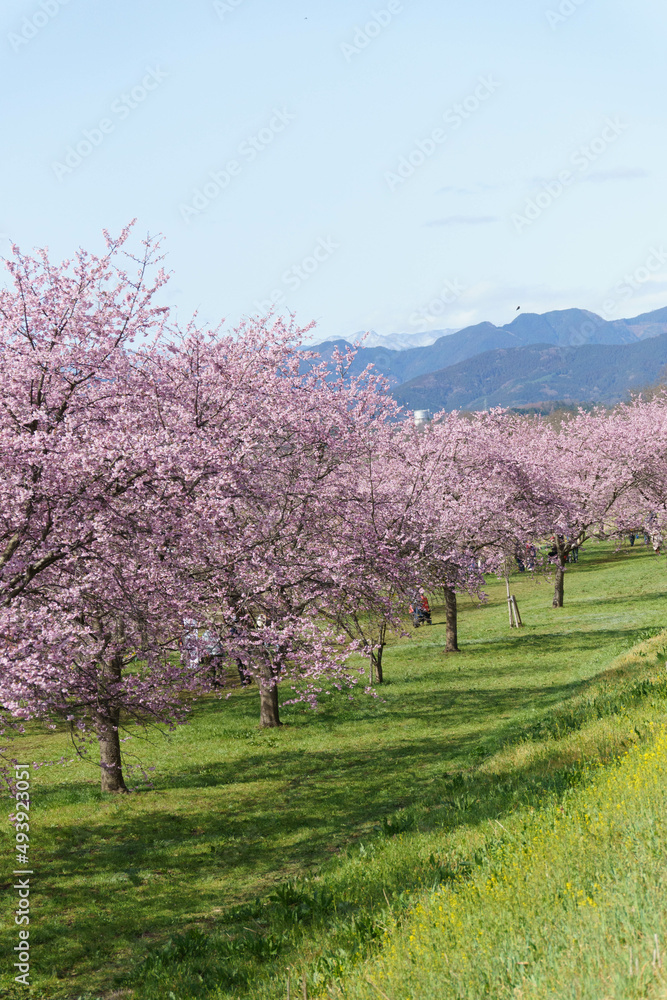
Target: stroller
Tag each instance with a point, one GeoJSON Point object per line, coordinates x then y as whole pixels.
{"type": "Point", "coordinates": [420, 610]}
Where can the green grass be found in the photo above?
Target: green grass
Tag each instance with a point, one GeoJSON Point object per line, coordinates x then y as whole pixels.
{"type": "Point", "coordinates": [566, 902]}
{"type": "Point", "coordinates": [298, 848]}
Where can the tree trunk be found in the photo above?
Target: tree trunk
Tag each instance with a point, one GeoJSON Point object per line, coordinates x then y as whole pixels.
{"type": "Point", "coordinates": [376, 663]}
{"type": "Point", "coordinates": [268, 696]}
{"type": "Point", "coordinates": [451, 621]}
{"type": "Point", "coordinates": [560, 581]}
{"type": "Point", "coordinates": [106, 723]}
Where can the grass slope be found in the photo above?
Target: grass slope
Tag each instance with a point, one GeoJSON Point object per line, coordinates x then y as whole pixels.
{"type": "Point", "coordinates": [258, 851]}
{"type": "Point", "coordinates": [566, 902]}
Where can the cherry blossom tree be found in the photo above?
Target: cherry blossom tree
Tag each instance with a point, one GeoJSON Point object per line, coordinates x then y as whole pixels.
{"type": "Point", "coordinates": [282, 523]}
{"type": "Point", "coordinates": [634, 437]}
{"type": "Point", "coordinates": [379, 537]}
{"type": "Point", "coordinates": [584, 464]}
{"type": "Point", "coordinates": [158, 482]}
{"type": "Point", "coordinates": [482, 499]}
{"type": "Point", "coordinates": [73, 342]}
{"type": "Point", "coordinates": [436, 507]}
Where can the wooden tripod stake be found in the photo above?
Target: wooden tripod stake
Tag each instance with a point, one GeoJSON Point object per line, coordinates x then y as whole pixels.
{"type": "Point", "coordinates": [512, 606]}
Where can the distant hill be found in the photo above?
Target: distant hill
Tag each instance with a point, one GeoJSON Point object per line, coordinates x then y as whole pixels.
{"type": "Point", "coordinates": [650, 324]}
{"type": "Point", "coordinates": [561, 328]}
{"type": "Point", "coordinates": [533, 374]}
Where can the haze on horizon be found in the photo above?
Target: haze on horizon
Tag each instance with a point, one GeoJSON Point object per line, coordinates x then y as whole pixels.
{"type": "Point", "coordinates": [395, 166]}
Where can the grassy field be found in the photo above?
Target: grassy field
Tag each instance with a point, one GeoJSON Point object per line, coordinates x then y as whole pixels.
{"type": "Point", "coordinates": [263, 854]}
{"type": "Point", "coordinates": [566, 902]}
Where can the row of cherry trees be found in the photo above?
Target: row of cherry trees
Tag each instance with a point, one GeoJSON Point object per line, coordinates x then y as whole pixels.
{"type": "Point", "coordinates": [161, 482]}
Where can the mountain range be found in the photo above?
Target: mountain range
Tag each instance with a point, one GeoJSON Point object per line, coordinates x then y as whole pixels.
{"type": "Point", "coordinates": [401, 341]}
{"type": "Point", "coordinates": [537, 374]}
{"type": "Point", "coordinates": [569, 355]}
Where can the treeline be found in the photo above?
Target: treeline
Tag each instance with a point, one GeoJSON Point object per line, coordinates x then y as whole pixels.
{"type": "Point", "coordinates": [174, 499]}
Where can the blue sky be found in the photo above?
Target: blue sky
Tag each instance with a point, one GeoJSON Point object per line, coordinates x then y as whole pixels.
{"type": "Point", "coordinates": [390, 166]}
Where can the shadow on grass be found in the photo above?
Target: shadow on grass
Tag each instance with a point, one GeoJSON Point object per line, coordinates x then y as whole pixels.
{"type": "Point", "coordinates": [372, 803]}
{"type": "Point", "coordinates": [277, 810]}
{"type": "Point", "coordinates": [558, 642]}
{"type": "Point", "coordinates": [292, 811]}
{"type": "Point", "coordinates": [590, 560]}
